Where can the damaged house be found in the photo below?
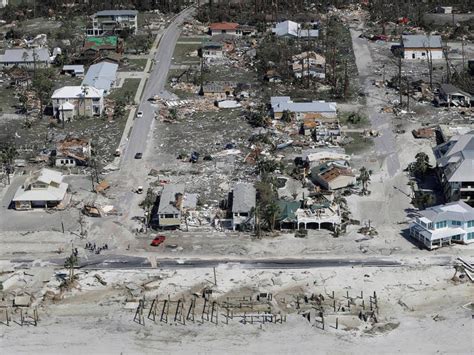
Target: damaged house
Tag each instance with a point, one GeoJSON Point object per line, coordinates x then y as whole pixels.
{"type": "Point", "coordinates": [333, 175]}
{"type": "Point", "coordinates": [212, 50]}
{"type": "Point", "coordinates": [72, 152]}
{"type": "Point", "coordinates": [291, 29]}
{"type": "Point", "coordinates": [313, 213]}
{"type": "Point", "coordinates": [450, 95]}
{"type": "Point", "coordinates": [26, 58]}
{"type": "Point", "coordinates": [43, 189]}
{"type": "Point", "coordinates": [302, 110]}
{"type": "Point", "coordinates": [308, 63]}
{"type": "Point", "coordinates": [101, 76]}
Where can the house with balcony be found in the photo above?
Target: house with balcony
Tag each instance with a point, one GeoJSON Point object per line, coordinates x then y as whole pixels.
{"type": "Point", "coordinates": [42, 189]}
{"type": "Point", "coordinates": [442, 225]}
{"type": "Point", "coordinates": [455, 167]}
{"type": "Point", "coordinates": [73, 101]}
{"type": "Point", "coordinates": [243, 198]}
{"type": "Point", "coordinates": [112, 22]}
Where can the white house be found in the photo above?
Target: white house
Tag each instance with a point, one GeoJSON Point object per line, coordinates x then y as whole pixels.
{"type": "Point", "coordinates": [302, 110]}
{"type": "Point", "coordinates": [212, 50]}
{"type": "Point", "coordinates": [293, 29]}
{"type": "Point", "coordinates": [72, 101]}
{"type": "Point", "coordinates": [43, 189]}
{"type": "Point", "coordinates": [422, 47]}
{"type": "Point", "coordinates": [455, 163]}
{"type": "Point", "coordinates": [444, 224]}
{"type": "Point", "coordinates": [28, 58]}
{"type": "Point", "coordinates": [113, 21]}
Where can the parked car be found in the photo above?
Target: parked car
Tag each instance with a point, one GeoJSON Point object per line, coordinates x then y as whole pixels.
{"type": "Point", "coordinates": [139, 114]}
{"type": "Point", "coordinates": [158, 240]}
{"type": "Point", "coordinates": [138, 156]}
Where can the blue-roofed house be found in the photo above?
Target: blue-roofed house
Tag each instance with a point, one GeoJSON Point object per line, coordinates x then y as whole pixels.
{"type": "Point", "coordinates": [101, 76]}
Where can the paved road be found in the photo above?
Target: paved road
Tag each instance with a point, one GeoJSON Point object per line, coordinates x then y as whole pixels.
{"type": "Point", "coordinates": [385, 144]}
{"type": "Point", "coordinates": [102, 262]}
{"type": "Point", "coordinates": [134, 171]}
{"type": "Point", "coordinates": [155, 86]}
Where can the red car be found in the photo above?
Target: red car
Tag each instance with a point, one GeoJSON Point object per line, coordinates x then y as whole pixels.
{"type": "Point", "coordinates": [158, 240]}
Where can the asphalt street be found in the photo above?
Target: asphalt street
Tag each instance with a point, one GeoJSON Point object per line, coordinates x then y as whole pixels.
{"type": "Point", "coordinates": [104, 262]}
{"type": "Point", "coordinates": [155, 86]}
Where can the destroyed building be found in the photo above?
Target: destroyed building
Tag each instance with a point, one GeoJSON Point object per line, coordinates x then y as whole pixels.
{"type": "Point", "coordinates": [212, 50]}
{"type": "Point", "coordinates": [333, 175]}
{"type": "Point", "coordinates": [72, 152]}
{"type": "Point", "coordinates": [302, 110]}
{"type": "Point", "coordinates": [450, 95]}
{"type": "Point", "coordinates": [27, 58]}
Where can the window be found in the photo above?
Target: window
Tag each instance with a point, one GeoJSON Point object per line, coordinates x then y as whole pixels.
{"type": "Point", "coordinates": [456, 223]}
{"type": "Point", "coordinates": [470, 235]}
{"type": "Point", "coordinates": [442, 224]}
{"type": "Point", "coordinates": [470, 224]}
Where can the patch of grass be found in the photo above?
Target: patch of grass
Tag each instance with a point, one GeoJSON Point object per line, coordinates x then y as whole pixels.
{"type": "Point", "coordinates": [359, 144]}
{"type": "Point", "coordinates": [182, 51]}
{"type": "Point", "coordinates": [136, 64]}
{"type": "Point", "coordinates": [353, 119]}
{"type": "Point", "coordinates": [129, 87]}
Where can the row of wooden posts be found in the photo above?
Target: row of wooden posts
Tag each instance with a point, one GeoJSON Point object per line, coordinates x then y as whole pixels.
{"type": "Point", "coordinates": [209, 313]}
{"type": "Point", "coordinates": [25, 317]}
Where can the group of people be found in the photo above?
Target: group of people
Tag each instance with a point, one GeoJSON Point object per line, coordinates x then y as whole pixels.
{"type": "Point", "coordinates": [93, 248]}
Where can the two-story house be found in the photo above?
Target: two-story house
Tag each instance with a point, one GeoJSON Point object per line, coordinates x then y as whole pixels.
{"type": "Point", "coordinates": [113, 21]}
{"type": "Point", "coordinates": [455, 166]}
{"type": "Point", "coordinates": [243, 205]}
{"type": "Point", "coordinates": [444, 224]}
{"type": "Point", "coordinates": [73, 101]}
{"type": "Point", "coordinates": [43, 189]}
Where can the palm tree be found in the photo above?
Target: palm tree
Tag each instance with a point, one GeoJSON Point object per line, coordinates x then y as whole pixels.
{"type": "Point", "coordinates": [70, 263]}
{"type": "Point", "coordinates": [270, 214]}
{"type": "Point", "coordinates": [421, 164]}
{"type": "Point", "coordinates": [83, 98]}
{"type": "Point", "coordinates": [364, 178]}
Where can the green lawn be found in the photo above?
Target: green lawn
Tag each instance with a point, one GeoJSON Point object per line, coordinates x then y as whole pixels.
{"type": "Point", "coordinates": [130, 87]}
{"type": "Point", "coordinates": [138, 64]}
